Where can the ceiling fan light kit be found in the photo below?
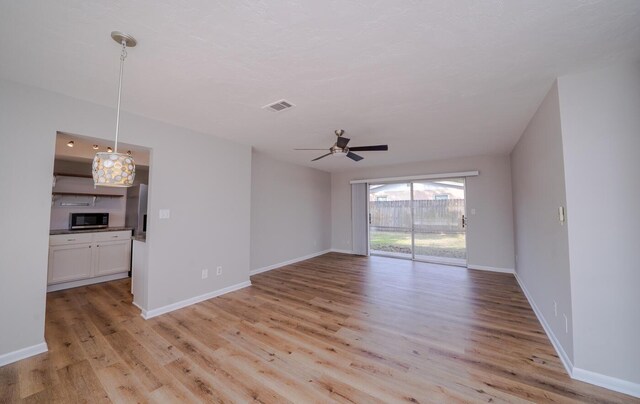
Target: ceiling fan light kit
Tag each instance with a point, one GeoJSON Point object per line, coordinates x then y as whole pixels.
{"type": "Point", "coordinates": [113, 169]}
{"type": "Point", "coordinates": [340, 149]}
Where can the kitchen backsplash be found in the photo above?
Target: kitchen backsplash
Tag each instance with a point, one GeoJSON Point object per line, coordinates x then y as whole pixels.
{"type": "Point", "coordinates": [115, 206]}
{"type": "Point", "coordinates": [63, 205]}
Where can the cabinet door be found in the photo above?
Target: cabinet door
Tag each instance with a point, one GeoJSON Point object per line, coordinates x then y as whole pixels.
{"type": "Point", "coordinates": [69, 263]}
{"type": "Point", "coordinates": [113, 257]}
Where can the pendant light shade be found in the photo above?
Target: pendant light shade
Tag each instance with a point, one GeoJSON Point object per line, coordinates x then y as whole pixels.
{"type": "Point", "coordinates": [113, 170]}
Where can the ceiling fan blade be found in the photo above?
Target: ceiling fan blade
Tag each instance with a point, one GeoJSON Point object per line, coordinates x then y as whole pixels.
{"type": "Point", "coordinates": [323, 156]}
{"type": "Point", "coordinates": [311, 149]}
{"type": "Point", "coordinates": [380, 147]}
{"type": "Point", "coordinates": [342, 142]}
{"type": "Point", "coordinates": [354, 156]}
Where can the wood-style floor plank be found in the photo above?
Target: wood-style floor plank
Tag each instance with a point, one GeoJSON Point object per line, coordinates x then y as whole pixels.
{"type": "Point", "coordinates": [335, 328]}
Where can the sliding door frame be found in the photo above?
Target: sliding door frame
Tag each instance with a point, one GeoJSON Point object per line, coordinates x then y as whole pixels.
{"type": "Point", "coordinates": [413, 225]}
{"type": "Point", "coordinates": [368, 221]}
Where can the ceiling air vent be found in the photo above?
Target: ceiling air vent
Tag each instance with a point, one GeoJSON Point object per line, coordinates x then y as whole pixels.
{"type": "Point", "coordinates": [279, 106]}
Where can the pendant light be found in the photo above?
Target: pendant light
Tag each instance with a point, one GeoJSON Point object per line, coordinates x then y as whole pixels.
{"type": "Point", "coordinates": [116, 169]}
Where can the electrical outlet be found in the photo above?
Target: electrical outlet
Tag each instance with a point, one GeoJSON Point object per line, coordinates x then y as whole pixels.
{"type": "Point", "coordinates": [205, 273]}
{"type": "Point", "coordinates": [219, 271]}
{"type": "Point", "coordinates": [555, 308]}
{"type": "Point", "coordinates": [566, 323]}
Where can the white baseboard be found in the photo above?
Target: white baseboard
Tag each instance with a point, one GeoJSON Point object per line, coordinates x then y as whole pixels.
{"type": "Point", "coordinates": [147, 314]}
{"type": "Point", "coordinates": [491, 269]}
{"type": "Point", "coordinates": [23, 353]}
{"type": "Point", "coordinates": [587, 376]}
{"type": "Point", "coordinates": [564, 358]}
{"type": "Point", "coordinates": [84, 282]}
{"type": "Point", "coordinates": [608, 382]}
{"type": "Point", "coordinates": [289, 262]}
{"type": "Point", "coordinates": [341, 251]}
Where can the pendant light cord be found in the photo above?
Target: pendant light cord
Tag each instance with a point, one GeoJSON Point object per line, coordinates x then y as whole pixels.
{"type": "Point", "coordinates": [123, 56]}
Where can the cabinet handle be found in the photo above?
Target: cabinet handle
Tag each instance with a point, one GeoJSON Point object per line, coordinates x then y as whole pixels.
{"type": "Point", "coordinates": [71, 239]}
{"type": "Point", "coordinates": [114, 236]}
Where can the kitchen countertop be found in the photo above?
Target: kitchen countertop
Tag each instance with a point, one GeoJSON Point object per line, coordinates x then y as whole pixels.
{"type": "Point", "coordinates": [67, 231]}
{"type": "Point", "coordinates": [140, 237]}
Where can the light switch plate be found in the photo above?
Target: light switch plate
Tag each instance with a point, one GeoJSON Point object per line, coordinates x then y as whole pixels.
{"type": "Point", "coordinates": [165, 213]}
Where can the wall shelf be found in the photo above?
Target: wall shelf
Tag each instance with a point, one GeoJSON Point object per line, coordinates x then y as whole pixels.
{"type": "Point", "coordinates": [82, 185]}
{"type": "Point", "coordinates": [72, 175]}
{"type": "Point", "coordinates": [88, 194]}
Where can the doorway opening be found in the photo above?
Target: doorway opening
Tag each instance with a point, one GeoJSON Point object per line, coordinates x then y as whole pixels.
{"type": "Point", "coordinates": [94, 230]}
{"type": "Point", "coordinates": [421, 220]}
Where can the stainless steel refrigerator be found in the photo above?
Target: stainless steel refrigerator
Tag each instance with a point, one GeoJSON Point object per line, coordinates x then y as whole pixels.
{"type": "Point", "coordinates": [136, 214]}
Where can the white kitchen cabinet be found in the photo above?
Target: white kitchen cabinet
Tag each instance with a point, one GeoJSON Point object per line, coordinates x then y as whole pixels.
{"type": "Point", "coordinates": [112, 257]}
{"type": "Point", "coordinates": [83, 258]}
{"type": "Point", "coordinates": [70, 262]}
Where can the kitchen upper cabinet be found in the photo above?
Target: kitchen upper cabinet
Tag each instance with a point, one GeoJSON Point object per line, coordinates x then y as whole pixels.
{"type": "Point", "coordinates": [84, 256]}
{"type": "Point", "coordinates": [112, 257]}
{"type": "Point", "coordinates": [70, 262]}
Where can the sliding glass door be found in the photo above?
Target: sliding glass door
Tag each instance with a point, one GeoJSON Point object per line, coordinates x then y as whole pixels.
{"type": "Point", "coordinates": [420, 220]}
{"type": "Point", "coordinates": [438, 221]}
{"type": "Point", "coordinates": [390, 220]}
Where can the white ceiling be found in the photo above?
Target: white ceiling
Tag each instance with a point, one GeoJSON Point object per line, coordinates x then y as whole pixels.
{"type": "Point", "coordinates": [433, 79]}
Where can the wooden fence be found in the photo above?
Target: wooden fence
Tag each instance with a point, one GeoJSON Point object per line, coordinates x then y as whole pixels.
{"type": "Point", "coordinates": [442, 216]}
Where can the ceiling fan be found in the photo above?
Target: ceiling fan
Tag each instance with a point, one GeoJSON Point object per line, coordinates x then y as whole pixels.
{"type": "Point", "coordinates": [340, 148]}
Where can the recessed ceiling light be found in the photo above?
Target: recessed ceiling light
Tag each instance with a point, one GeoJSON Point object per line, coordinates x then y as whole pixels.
{"type": "Point", "coordinates": [96, 147]}
{"type": "Point", "coordinates": [109, 150]}
{"type": "Point", "coordinates": [70, 143]}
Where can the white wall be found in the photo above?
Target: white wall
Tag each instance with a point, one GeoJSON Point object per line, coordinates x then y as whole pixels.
{"type": "Point", "coordinates": [600, 113]}
{"type": "Point", "coordinates": [205, 181]}
{"type": "Point", "coordinates": [490, 231]}
{"type": "Point", "coordinates": [290, 211]}
{"type": "Point", "coordinates": [542, 246]}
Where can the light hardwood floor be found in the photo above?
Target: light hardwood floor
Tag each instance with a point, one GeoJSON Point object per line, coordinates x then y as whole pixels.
{"type": "Point", "coordinates": [334, 328]}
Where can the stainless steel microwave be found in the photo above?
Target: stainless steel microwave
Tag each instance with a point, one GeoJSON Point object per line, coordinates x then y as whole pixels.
{"type": "Point", "coordinates": [88, 221]}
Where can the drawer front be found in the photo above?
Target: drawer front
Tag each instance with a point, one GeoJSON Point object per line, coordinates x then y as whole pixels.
{"type": "Point", "coordinates": [63, 239]}
{"type": "Point", "coordinates": [112, 235]}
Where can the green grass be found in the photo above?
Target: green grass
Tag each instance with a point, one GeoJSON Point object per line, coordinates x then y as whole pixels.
{"type": "Point", "coordinates": [430, 244]}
